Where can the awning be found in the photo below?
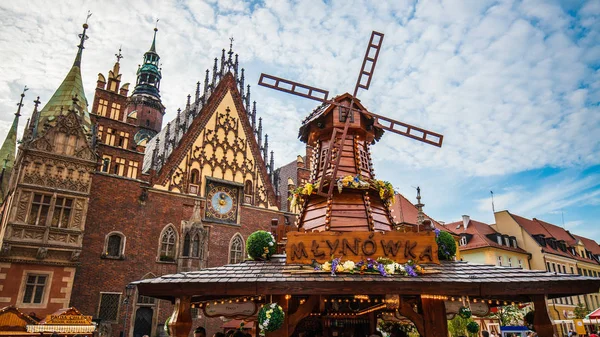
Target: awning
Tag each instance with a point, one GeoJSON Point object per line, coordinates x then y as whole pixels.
{"type": "Point", "coordinates": [594, 314]}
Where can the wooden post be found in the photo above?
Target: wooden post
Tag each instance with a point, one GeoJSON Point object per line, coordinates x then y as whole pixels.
{"type": "Point", "coordinates": [283, 331]}
{"type": "Point", "coordinates": [541, 320]}
{"type": "Point", "coordinates": [181, 319]}
{"type": "Point", "coordinates": [303, 311]}
{"type": "Point", "coordinates": [407, 311]}
{"type": "Point", "coordinates": [434, 318]}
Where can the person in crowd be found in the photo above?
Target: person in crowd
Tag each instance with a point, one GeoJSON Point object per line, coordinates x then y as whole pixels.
{"type": "Point", "coordinates": [219, 334]}
{"type": "Point", "coordinates": [239, 333]}
{"type": "Point", "coordinates": [200, 332]}
{"type": "Point", "coordinates": [484, 333]}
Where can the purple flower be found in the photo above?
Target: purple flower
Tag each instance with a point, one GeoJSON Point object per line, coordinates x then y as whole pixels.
{"type": "Point", "coordinates": [437, 232]}
{"type": "Point", "coordinates": [381, 269]}
{"type": "Point", "coordinates": [334, 264]}
{"type": "Point", "coordinates": [410, 270]}
{"type": "Point", "coordinates": [370, 263]}
{"type": "Point", "coordinates": [356, 179]}
{"type": "Point", "coordinates": [360, 263]}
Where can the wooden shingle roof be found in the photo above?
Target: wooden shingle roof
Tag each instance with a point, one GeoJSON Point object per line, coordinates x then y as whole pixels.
{"type": "Point", "coordinates": [453, 278]}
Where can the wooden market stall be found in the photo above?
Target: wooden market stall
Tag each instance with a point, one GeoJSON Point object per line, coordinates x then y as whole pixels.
{"type": "Point", "coordinates": [64, 322]}
{"type": "Point", "coordinates": [13, 322]}
{"type": "Point", "coordinates": [349, 260]}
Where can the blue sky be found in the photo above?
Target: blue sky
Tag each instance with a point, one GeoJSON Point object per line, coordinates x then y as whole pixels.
{"type": "Point", "coordinates": [514, 86]}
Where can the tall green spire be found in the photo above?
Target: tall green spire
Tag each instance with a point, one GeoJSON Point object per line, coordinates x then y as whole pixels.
{"type": "Point", "coordinates": [8, 150]}
{"type": "Point", "coordinates": [149, 74]}
{"type": "Point", "coordinates": [72, 86]}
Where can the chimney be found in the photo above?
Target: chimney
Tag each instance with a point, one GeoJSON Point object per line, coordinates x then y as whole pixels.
{"type": "Point", "coordinates": [466, 220]}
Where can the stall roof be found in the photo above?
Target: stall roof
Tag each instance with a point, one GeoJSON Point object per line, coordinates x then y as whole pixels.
{"type": "Point", "coordinates": [453, 278]}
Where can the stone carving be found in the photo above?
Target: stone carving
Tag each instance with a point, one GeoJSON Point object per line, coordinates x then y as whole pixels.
{"type": "Point", "coordinates": [5, 251]}
{"type": "Point", "coordinates": [22, 207]}
{"type": "Point", "coordinates": [42, 253]}
{"type": "Point", "coordinates": [75, 255]}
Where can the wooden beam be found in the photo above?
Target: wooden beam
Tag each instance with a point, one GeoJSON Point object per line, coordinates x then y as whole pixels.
{"type": "Point", "coordinates": [541, 320]}
{"type": "Point", "coordinates": [407, 311]}
{"type": "Point", "coordinates": [181, 319]}
{"type": "Point", "coordinates": [434, 318]}
{"type": "Point", "coordinates": [303, 311]}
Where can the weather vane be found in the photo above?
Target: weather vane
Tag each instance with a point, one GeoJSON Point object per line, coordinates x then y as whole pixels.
{"type": "Point", "coordinates": [119, 56]}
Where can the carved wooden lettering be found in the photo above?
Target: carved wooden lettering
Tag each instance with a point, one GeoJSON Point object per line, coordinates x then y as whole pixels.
{"type": "Point", "coordinates": [346, 246]}
{"type": "Point", "coordinates": [315, 249]}
{"type": "Point", "coordinates": [298, 251]}
{"type": "Point", "coordinates": [390, 248]}
{"type": "Point", "coordinates": [356, 246]}
{"type": "Point", "coordinates": [408, 250]}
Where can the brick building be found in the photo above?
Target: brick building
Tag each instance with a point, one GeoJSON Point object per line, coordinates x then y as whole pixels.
{"type": "Point", "coordinates": [100, 198]}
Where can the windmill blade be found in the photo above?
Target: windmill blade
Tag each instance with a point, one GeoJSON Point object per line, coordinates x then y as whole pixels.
{"type": "Point", "coordinates": [369, 62]}
{"type": "Point", "coordinates": [410, 131]}
{"type": "Point", "coordinates": [293, 88]}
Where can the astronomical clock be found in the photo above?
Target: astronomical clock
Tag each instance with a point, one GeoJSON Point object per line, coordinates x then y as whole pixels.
{"type": "Point", "coordinates": [222, 201]}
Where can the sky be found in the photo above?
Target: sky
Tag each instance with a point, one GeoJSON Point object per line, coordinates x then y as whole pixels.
{"type": "Point", "coordinates": [514, 86]}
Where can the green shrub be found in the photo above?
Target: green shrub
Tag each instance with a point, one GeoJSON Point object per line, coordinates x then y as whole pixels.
{"type": "Point", "coordinates": [446, 246]}
{"type": "Point", "coordinates": [260, 245]}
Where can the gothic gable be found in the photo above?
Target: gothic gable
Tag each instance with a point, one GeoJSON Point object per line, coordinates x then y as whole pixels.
{"type": "Point", "coordinates": [66, 138]}
{"type": "Point", "coordinates": [220, 143]}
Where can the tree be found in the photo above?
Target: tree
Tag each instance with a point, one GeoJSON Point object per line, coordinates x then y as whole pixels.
{"type": "Point", "coordinates": [580, 311]}
{"type": "Point", "coordinates": [509, 315]}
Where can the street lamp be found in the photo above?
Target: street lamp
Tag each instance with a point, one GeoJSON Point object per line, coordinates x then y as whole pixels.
{"type": "Point", "coordinates": [129, 290]}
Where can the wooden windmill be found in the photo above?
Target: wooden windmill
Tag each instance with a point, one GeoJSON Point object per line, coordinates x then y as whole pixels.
{"type": "Point", "coordinates": [341, 130]}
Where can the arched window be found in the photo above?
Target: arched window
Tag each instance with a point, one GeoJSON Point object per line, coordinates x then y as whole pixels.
{"type": "Point", "coordinates": [196, 246]}
{"type": "Point", "coordinates": [248, 187]}
{"type": "Point", "coordinates": [186, 245]}
{"type": "Point", "coordinates": [168, 242]}
{"type": "Point", "coordinates": [236, 249]}
{"type": "Point", "coordinates": [194, 177]}
{"type": "Point", "coordinates": [114, 245]}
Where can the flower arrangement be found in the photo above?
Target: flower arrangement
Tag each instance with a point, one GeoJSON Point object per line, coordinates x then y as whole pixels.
{"type": "Point", "coordinates": [356, 182]}
{"type": "Point", "coordinates": [382, 266]}
{"type": "Point", "coordinates": [270, 318]}
{"type": "Point", "coordinates": [300, 192]}
{"type": "Point", "coordinates": [472, 327]}
{"type": "Point", "coordinates": [386, 191]}
{"type": "Point", "coordinates": [446, 245]}
{"type": "Point", "coordinates": [464, 312]}
{"type": "Point", "coordinates": [260, 245]}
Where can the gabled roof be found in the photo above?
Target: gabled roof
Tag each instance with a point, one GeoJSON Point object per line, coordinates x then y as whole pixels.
{"type": "Point", "coordinates": [182, 142]}
{"type": "Point", "coordinates": [536, 227]}
{"type": "Point", "coordinates": [589, 244]}
{"type": "Point", "coordinates": [454, 278]}
{"type": "Point", "coordinates": [479, 232]}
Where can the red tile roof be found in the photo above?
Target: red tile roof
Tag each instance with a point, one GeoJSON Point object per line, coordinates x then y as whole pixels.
{"type": "Point", "coordinates": [479, 239]}
{"type": "Point", "coordinates": [538, 227]}
{"type": "Point", "coordinates": [407, 213]}
{"type": "Point", "coordinates": [589, 244]}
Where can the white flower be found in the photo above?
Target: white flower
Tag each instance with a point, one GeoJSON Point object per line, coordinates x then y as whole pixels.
{"type": "Point", "coordinates": [326, 266]}
{"type": "Point", "coordinates": [400, 267]}
{"type": "Point", "coordinates": [390, 268]}
{"type": "Point", "coordinates": [349, 265]}
{"type": "Point", "coordinates": [273, 306]}
{"type": "Point", "coordinates": [271, 243]}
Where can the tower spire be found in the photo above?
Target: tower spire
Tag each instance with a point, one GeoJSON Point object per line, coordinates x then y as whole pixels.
{"type": "Point", "coordinates": [82, 38]}
{"type": "Point", "coordinates": [9, 149]}
{"type": "Point", "coordinates": [153, 47]}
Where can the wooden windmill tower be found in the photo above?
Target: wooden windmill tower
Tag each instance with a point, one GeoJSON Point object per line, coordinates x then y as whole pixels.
{"type": "Point", "coordinates": [346, 196]}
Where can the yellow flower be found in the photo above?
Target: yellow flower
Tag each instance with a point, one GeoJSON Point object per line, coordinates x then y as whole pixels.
{"type": "Point", "coordinates": [326, 266]}
{"type": "Point", "coordinates": [349, 265]}
{"type": "Point", "coordinates": [419, 269]}
{"type": "Point", "coordinates": [339, 268]}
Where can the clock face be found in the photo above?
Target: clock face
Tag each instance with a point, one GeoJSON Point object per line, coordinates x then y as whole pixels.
{"type": "Point", "coordinates": [222, 202]}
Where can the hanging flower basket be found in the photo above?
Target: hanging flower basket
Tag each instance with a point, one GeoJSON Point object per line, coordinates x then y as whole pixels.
{"type": "Point", "coordinates": [473, 327]}
{"type": "Point", "coordinates": [446, 245]}
{"type": "Point", "coordinates": [464, 312]}
{"type": "Point", "coordinates": [270, 318]}
{"type": "Point", "coordinates": [260, 245]}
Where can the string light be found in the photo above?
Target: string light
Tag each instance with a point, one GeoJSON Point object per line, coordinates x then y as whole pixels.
{"type": "Point", "coordinates": [436, 297]}
{"type": "Point", "coordinates": [287, 297]}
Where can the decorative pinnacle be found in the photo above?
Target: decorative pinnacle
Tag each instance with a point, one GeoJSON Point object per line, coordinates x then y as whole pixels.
{"type": "Point", "coordinates": [119, 56]}
{"type": "Point", "coordinates": [153, 47]}
{"type": "Point", "coordinates": [20, 104]}
{"type": "Point", "coordinates": [37, 102]}
{"type": "Point", "coordinates": [230, 46]}
{"type": "Point", "coordinates": [418, 194]}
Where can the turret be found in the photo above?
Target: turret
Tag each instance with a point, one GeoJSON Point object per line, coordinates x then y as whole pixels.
{"type": "Point", "coordinates": [145, 100]}
{"type": "Point", "coordinates": [8, 151]}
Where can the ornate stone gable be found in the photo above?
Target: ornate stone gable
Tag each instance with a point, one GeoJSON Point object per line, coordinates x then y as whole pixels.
{"type": "Point", "coordinates": [220, 143]}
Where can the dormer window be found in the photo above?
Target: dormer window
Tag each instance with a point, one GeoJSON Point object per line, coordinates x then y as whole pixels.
{"type": "Point", "coordinates": [506, 240]}
{"type": "Point", "coordinates": [515, 243]}
{"type": "Point", "coordinates": [499, 240]}
{"type": "Point", "coordinates": [463, 241]}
